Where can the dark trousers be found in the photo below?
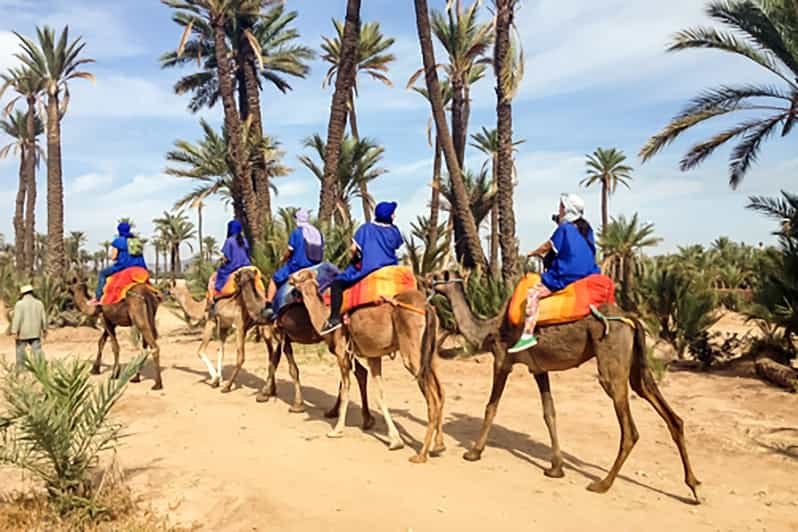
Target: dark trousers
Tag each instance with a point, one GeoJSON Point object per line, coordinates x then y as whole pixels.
{"type": "Point", "coordinates": [337, 298]}
{"type": "Point", "coordinates": [22, 345]}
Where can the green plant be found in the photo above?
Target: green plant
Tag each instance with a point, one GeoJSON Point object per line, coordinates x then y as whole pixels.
{"type": "Point", "coordinates": [423, 256]}
{"type": "Point", "coordinates": [56, 425]}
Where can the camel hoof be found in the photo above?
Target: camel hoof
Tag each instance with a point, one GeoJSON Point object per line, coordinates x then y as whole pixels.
{"type": "Point", "coordinates": [95, 370]}
{"type": "Point", "coordinates": [472, 455]}
{"type": "Point", "coordinates": [157, 386]}
{"type": "Point", "coordinates": [438, 450]}
{"type": "Point", "coordinates": [262, 397]}
{"type": "Point", "coordinates": [331, 414]}
{"type": "Point", "coordinates": [296, 409]}
{"type": "Point", "coordinates": [335, 434]}
{"type": "Point", "coordinates": [137, 378]}
{"type": "Point", "coordinates": [395, 445]}
{"type": "Point", "coordinates": [554, 472]}
{"type": "Point", "coordinates": [227, 389]}
{"type": "Point", "coordinates": [417, 459]}
{"type": "Point", "coordinates": [697, 497]}
{"type": "Point", "coordinates": [368, 423]}
{"type": "Point", "coordinates": [598, 486]}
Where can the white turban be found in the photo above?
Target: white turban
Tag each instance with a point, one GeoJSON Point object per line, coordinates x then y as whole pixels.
{"type": "Point", "coordinates": [573, 207]}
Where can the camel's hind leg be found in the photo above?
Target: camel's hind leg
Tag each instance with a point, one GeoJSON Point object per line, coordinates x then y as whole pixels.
{"type": "Point", "coordinates": [500, 374]}
{"type": "Point", "coordinates": [150, 345]}
{"type": "Point", "coordinates": [614, 378]}
{"type": "Point", "coordinates": [645, 386]}
{"type": "Point", "coordinates": [550, 417]}
{"type": "Point", "coordinates": [293, 369]}
{"type": "Point", "coordinates": [207, 335]}
{"type": "Point", "coordinates": [344, 365]}
{"type": "Point", "coordinates": [270, 386]}
{"type": "Point", "coordinates": [362, 377]}
{"type": "Point", "coordinates": [375, 368]}
{"type": "Point", "coordinates": [95, 368]}
{"type": "Point", "coordinates": [111, 329]}
{"type": "Point", "coordinates": [241, 339]}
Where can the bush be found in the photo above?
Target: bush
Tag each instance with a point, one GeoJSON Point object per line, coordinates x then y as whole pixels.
{"type": "Point", "coordinates": [56, 425]}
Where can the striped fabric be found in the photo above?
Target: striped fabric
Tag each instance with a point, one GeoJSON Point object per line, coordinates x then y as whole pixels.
{"type": "Point", "coordinates": [120, 283]}
{"type": "Point", "coordinates": [570, 304]}
{"type": "Point", "coordinates": [230, 287]}
{"type": "Point", "coordinates": [383, 283]}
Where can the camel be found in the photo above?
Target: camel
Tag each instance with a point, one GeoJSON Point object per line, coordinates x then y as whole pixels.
{"type": "Point", "coordinates": [137, 310]}
{"type": "Point", "coordinates": [192, 308]}
{"type": "Point", "coordinates": [406, 323]}
{"type": "Point", "coordinates": [620, 351]}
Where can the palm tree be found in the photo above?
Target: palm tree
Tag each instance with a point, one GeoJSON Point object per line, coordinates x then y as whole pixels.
{"type": "Point", "coordinates": [621, 242]}
{"type": "Point", "coordinates": [481, 196]}
{"type": "Point", "coordinates": [784, 210]}
{"type": "Point", "coordinates": [175, 229]}
{"type": "Point", "coordinates": [55, 62]}
{"type": "Point", "coordinates": [198, 204]}
{"type": "Point", "coordinates": [606, 166]}
{"type": "Point", "coordinates": [508, 66]}
{"type": "Point", "coordinates": [474, 256]}
{"type": "Point", "coordinates": [344, 82]}
{"type": "Point", "coordinates": [16, 127]}
{"type": "Point", "coordinates": [487, 141]}
{"type": "Point", "coordinates": [73, 246]}
{"type": "Point", "coordinates": [372, 59]}
{"type": "Point", "coordinates": [29, 87]}
{"type": "Point", "coordinates": [357, 165]}
{"type": "Point", "coordinates": [211, 247]}
{"type": "Point", "coordinates": [764, 32]}
{"type": "Point", "coordinates": [217, 15]}
{"type": "Point", "coordinates": [466, 41]}
{"type": "Point", "coordinates": [106, 245]}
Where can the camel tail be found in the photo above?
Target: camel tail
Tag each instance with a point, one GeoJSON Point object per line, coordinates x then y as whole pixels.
{"type": "Point", "coordinates": [428, 342]}
{"type": "Point", "coordinates": [151, 301]}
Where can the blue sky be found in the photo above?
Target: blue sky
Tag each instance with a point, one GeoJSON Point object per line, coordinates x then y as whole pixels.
{"type": "Point", "coordinates": [596, 75]}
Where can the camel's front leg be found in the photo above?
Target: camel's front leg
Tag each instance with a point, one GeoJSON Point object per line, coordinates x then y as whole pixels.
{"type": "Point", "coordinates": [241, 338]}
{"type": "Point", "coordinates": [95, 368]}
{"type": "Point", "coordinates": [394, 440]}
{"type": "Point", "coordinates": [344, 367]}
{"type": "Point", "coordinates": [270, 386]}
{"type": "Point", "coordinates": [550, 417]}
{"type": "Point", "coordinates": [500, 374]}
{"type": "Point", "coordinates": [115, 347]}
{"type": "Point", "coordinates": [293, 369]}
{"type": "Point", "coordinates": [207, 334]}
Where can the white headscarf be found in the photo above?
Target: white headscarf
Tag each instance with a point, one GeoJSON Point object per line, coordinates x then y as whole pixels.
{"type": "Point", "coordinates": [573, 207]}
{"type": "Point", "coordinates": [311, 234]}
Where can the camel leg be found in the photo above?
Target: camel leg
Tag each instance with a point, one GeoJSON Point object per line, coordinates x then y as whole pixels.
{"type": "Point", "coordinates": [293, 369]}
{"type": "Point", "coordinates": [344, 366]}
{"type": "Point", "coordinates": [550, 417]}
{"type": "Point", "coordinates": [150, 345]}
{"type": "Point", "coordinates": [439, 445]}
{"type": "Point", "coordinates": [616, 387]}
{"type": "Point", "coordinates": [646, 387]}
{"type": "Point", "coordinates": [362, 381]}
{"type": "Point", "coordinates": [394, 440]}
{"type": "Point", "coordinates": [115, 348]}
{"type": "Point", "coordinates": [219, 362]}
{"type": "Point", "coordinates": [207, 334]}
{"type": "Point", "coordinates": [427, 386]}
{"type": "Point", "coordinates": [95, 368]}
{"type": "Point", "coordinates": [241, 338]}
{"type": "Point", "coordinates": [500, 374]}
{"type": "Point", "coordinates": [270, 386]}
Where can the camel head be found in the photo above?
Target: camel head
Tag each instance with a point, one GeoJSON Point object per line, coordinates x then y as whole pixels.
{"type": "Point", "coordinates": [303, 278]}
{"type": "Point", "coordinates": [245, 277]}
{"type": "Point", "coordinates": [444, 282]}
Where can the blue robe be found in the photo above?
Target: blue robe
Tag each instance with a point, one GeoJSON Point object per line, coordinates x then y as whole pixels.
{"type": "Point", "coordinates": [377, 243]}
{"type": "Point", "coordinates": [237, 257]}
{"type": "Point", "coordinates": [123, 261]}
{"type": "Point", "coordinates": [574, 257]}
{"type": "Point", "coordinates": [298, 260]}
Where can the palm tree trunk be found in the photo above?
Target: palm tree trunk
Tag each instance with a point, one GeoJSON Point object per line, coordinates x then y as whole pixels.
{"type": "Point", "coordinates": [605, 199]}
{"type": "Point", "coordinates": [344, 81]}
{"type": "Point", "coordinates": [362, 186]}
{"type": "Point", "coordinates": [56, 259]}
{"type": "Point", "coordinates": [199, 232]}
{"type": "Point", "coordinates": [238, 154]}
{"type": "Point", "coordinates": [157, 264]}
{"type": "Point", "coordinates": [30, 177]}
{"type": "Point", "coordinates": [494, 227]}
{"type": "Point", "coordinates": [435, 200]}
{"type": "Point", "coordinates": [458, 126]}
{"type": "Point", "coordinates": [19, 214]}
{"type": "Point", "coordinates": [504, 126]}
{"type": "Point", "coordinates": [475, 255]}
{"type": "Point", "coordinates": [252, 91]}
{"type": "Point", "coordinates": [173, 261]}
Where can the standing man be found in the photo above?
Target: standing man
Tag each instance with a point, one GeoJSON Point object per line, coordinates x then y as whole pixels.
{"type": "Point", "coordinates": [29, 325]}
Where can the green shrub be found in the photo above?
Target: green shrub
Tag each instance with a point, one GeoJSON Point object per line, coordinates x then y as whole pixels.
{"type": "Point", "coordinates": [56, 424]}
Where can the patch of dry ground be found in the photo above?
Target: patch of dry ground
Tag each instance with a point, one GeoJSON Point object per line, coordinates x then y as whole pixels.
{"type": "Point", "coordinates": [223, 462]}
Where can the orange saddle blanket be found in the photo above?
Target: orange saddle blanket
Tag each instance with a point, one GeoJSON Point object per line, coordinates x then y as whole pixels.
{"type": "Point", "coordinates": [231, 287]}
{"type": "Point", "coordinates": [570, 304]}
{"type": "Point", "coordinates": [119, 284]}
{"type": "Point", "coordinates": [381, 284]}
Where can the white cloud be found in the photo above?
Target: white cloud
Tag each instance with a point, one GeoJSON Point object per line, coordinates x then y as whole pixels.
{"type": "Point", "coordinates": [120, 96]}
{"type": "Point", "coordinates": [89, 182]}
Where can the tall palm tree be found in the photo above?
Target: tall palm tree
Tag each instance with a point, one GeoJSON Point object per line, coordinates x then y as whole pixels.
{"type": "Point", "coordinates": [211, 247]}
{"type": "Point", "coordinates": [481, 195]}
{"type": "Point", "coordinates": [487, 141]}
{"type": "Point", "coordinates": [357, 165]}
{"type": "Point", "coordinates": [764, 32]}
{"type": "Point", "coordinates": [29, 151]}
{"type": "Point", "coordinates": [621, 243]}
{"type": "Point", "coordinates": [74, 245]}
{"type": "Point", "coordinates": [508, 67]}
{"type": "Point", "coordinates": [29, 87]}
{"type": "Point", "coordinates": [217, 15]}
{"type": "Point", "coordinates": [106, 245]}
{"type": "Point", "coordinates": [344, 82]}
{"type": "Point", "coordinates": [198, 205]}
{"type": "Point", "coordinates": [607, 167]}
{"type": "Point", "coordinates": [474, 256]}
{"type": "Point", "coordinates": [175, 229]}
{"type": "Point", "coordinates": [56, 61]}
{"type": "Point", "coordinates": [262, 50]}
{"type": "Point", "coordinates": [372, 60]}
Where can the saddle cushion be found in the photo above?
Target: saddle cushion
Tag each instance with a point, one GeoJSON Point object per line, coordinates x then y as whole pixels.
{"type": "Point", "coordinates": [119, 284]}
{"type": "Point", "coordinates": [287, 294]}
{"type": "Point", "coordinates": [230, 287]}
{"type": "Point", "coordinates": [376, 286]}
{"type": "Point", "coordinates": [569, 304]}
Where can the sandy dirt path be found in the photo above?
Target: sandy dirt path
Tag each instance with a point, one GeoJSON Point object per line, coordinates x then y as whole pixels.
{"type": "Point", "coordinates": [224, 462]}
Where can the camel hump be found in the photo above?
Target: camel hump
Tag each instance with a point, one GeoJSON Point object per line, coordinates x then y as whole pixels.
{"type": "Point", "coordinates": [382, 284]}
{"type": "Point", "coordinates": [568, 305]}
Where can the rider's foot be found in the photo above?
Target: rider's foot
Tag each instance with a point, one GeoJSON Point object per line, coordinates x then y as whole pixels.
{"type": "Point", "coordinates": [525, 342]}
{"type": "Point", "coordinates": [330, 325]}
{"type": "Point", "coordinates": [93, 302]}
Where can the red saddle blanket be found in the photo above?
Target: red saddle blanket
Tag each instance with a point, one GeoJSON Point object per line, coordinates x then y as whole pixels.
{"type": "Point", "coordinates": [231, 286]}
{"type": "Point", "coordinates": [569, 304]}
{"type": "Point", "coordinates": [119, 284]}
{"type": "Point", "coordinates": [376, 286]}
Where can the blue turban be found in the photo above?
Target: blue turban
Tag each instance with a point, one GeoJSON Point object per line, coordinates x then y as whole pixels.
{"type": "Point", "coordinates": [124, 230]}
{"type": "Point", "coordinates": [234, 228]}
{"type": "Point", "coordinates": [384, 212]}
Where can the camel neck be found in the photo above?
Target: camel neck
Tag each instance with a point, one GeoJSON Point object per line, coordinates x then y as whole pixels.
{"type": "Point", "coordinates": [314, 305]}
{"type": "Point", "coordinates": [475, 330]}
